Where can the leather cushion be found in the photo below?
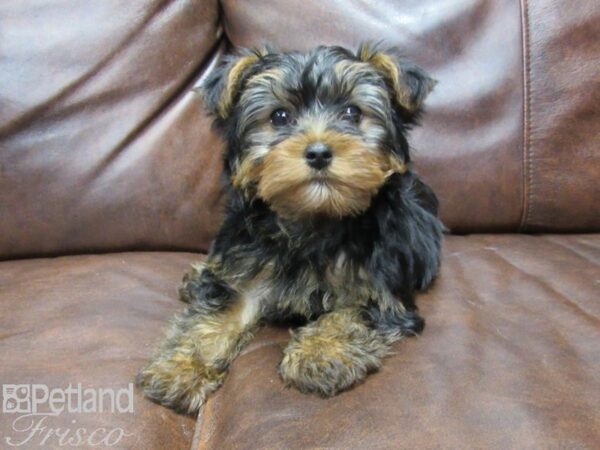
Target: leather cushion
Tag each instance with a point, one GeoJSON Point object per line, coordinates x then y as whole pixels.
{"type": "Point", "coordinates": [103, 146]}
{"type": "Point", "coordinates": [92, 320]}
{"type": "Point", "coordinates": [509, 359]}
{"type": "Point", "coordinates": [509, 141]}
{"type": "Point", "coordinates": [469, 147]}
{"type": "Point", "coordinates": [562, 157]}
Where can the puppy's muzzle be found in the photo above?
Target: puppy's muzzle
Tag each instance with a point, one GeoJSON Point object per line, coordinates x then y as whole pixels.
{"type": "Point", "coordinates": [318, 155]}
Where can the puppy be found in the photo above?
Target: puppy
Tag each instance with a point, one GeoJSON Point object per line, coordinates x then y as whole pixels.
{"type": "Point", "coordinates": [325, 223]}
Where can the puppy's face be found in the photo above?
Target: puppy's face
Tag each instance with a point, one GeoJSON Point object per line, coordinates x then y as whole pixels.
{"type": "Point", "coordinates": [315, 133]}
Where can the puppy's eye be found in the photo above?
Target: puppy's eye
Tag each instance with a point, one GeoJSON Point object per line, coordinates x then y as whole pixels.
{"type": "Point", "coordinates": [281, 117]}
{"type": "Point", "coordinates": [352, 114]}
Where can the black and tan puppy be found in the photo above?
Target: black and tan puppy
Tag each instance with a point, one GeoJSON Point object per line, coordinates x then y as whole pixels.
{"type": "Point", "coordinates": [325, 222]}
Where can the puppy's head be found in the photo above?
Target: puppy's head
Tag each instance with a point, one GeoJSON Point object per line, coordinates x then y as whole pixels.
{"type": "Point", "coordinates": [315, 133]}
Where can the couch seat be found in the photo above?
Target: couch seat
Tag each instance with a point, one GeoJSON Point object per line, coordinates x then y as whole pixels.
{"type": "Point", "coordinates": [510, 357]}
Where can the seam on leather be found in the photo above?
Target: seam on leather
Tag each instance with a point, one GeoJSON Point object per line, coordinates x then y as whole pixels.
{"type": "Point", "coordinates": [527, 167]}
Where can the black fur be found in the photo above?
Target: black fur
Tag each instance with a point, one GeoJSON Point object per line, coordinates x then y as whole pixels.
{"type": "Point", "coordinates": [343, 246]}
{"type": "Point", "coordinates": [397, 239]}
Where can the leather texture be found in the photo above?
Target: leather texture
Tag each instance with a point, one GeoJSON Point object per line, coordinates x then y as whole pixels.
{"type": "Point", "coordinates": [103, 148]}
{"type": "Point", "coordinates": [509, 359]}
{"type": "Point", "coordinates": [92, 320]}
{"type": "Point", "coordinates": [102, 144]}
{"type": "Point", "coordinates": [98, 125]}
{"type": "Point", "coordinates": [562, 158]}
{"type": "Point", "coordinates": [469, 145]}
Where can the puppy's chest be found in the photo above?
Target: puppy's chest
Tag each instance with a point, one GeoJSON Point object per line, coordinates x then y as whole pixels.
{"type": "Point", "coordinates": [312, 289]}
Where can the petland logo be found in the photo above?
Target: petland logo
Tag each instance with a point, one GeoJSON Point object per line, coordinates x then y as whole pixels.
{"type": "Point", "coordinates": [36, 405]}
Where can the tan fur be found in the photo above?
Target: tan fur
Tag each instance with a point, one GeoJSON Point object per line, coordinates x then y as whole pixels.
{"type": "Point", "coordinates": [395, 166]}
{"type": "Point", "coordinates": [243, 285]}
{"type": "Point", "coordinates": [270, 79]}
{"type": "Point", "coordinates": [332, 354]}
{"type": "Point", "coordinates": [193, 361]}
{"type": "Point", "coordinates": [387, 66]}
{"type": "Point", "coordinates": [247, 173]}
{"type": "Point", "coordinates": [233, 84]}
{"type": "Point", "coordinates": [288, 185]}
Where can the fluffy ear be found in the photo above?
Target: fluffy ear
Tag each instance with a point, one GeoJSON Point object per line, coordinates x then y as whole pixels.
{"type": "Point", "coordinates": [411, 84]}
{"type": "Point", "coordinates": [221, 88]}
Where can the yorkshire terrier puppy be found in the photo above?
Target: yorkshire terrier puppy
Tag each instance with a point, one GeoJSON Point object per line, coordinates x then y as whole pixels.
{"type": "Point", "coordinates": [325, 222]}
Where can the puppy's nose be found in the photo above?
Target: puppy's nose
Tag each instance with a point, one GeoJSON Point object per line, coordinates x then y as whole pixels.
{"type": "Point", "coordinates": [318, 155]}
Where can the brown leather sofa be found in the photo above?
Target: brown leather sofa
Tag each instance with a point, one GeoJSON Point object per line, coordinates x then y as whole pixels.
{"type": "Point", "coordinates": [110, 188]}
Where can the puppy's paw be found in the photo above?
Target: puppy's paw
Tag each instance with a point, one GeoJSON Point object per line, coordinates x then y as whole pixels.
{"type": "Point", "coordinates": [179, 382]}
{"type": "Point", "coordinates": [316, 361]}
{"type": "Point", "coordinates": [187, 287]}
{"type": "Point", "coordinates": [204, 290]}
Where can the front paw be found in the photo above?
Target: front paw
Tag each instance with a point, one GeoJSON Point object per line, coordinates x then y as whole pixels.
{"type": "Point", "coordinates": [186, 289]}
{"type": "Point", "coordinates": [204, 290]}
{"type": "Point", "coordinates": [326, 366]}
{"type": "Point", "coordinates": [179, 382]}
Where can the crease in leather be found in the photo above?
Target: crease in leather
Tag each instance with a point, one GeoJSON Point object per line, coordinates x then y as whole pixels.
{"type": "Point", "coordinates": [526, 163]}
{"type": "Point", "coordinates": [187, 82]}
{"type": "Point", "coordinates": [475, 299]}
{"type": "Point", "coordinates": [474, 250]}
{"type": "Point", "coordinates": [206, 428]}
{"type": "Point", "coordinates": [7, 336]}
{"type": "Point", "coordinates": [589, 317]}
{"type": "Point", "coordinates": [217, 204]}
{"type": "Point", "coordinates": [564, 246]}
{"type": "Point", "coordinates": [204, 419]}
{"type": "Point", "coordinates": [73, 86]}
{"type": "Point", "coordinates": [104, 251]}
{"type": "Point", "coordinates": [524, 306]}
{"type": "Point", "coordinates": [197, 429]}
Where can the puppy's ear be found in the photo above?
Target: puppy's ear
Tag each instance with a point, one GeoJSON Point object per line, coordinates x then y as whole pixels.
{"type": "Point", "coordinates": [221, 88]}
{"type": "Point", "coordinates": [410, 84]}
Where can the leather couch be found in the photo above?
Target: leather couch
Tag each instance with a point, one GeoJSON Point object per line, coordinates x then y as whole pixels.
{"type": "Point", "coordinates": [110, 188]}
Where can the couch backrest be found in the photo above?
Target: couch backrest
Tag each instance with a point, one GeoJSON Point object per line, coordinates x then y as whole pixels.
{"type": "Point", "coordinates": [103, 147]}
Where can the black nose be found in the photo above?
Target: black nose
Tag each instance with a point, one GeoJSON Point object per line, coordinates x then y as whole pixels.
{"type": "Point", "coordinates": [318, 156]}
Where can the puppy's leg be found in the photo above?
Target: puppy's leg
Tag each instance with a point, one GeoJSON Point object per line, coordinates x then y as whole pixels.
{"type": "Point", "coordinates": [395, 320]}
{"type": "Point", "coordinates": [332, 353]}
{"type": "Point", "coordinates": [204, 287]}
{"type": "Point", "coordinates": [200, 346]}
